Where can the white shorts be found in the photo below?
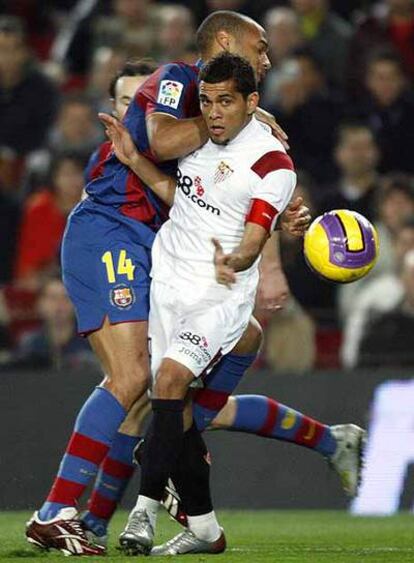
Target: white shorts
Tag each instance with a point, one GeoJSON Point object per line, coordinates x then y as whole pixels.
{"type": "Point", "coordinates": [194, 326]}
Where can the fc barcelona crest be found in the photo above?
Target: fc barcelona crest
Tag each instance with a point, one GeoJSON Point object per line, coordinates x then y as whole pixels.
{"type": "Point", "coordinates": [222, 173]}
{"type": "Point", "coordinates": [122, 296]}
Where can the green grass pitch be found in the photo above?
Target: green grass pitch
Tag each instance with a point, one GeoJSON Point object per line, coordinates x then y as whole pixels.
{"type": "Point", "coordinates": [260, 536]}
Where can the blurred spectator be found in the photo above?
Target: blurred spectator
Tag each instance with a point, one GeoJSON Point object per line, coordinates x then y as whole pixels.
{"type": "Point", "coordinates": [390, 23]}
{"type": "Point", "coordinates": [76, 130]}
{"type": "Point", "coordinates": [315, 295]}
{"type": "Point", "coordinates": [389, 340]}
{"type": "Point", "coordinates": [379, 295]}
{"type": "Point", "coordinates": [284, 36]}
{"type": "Point", "coordinates": [356, 155]}
{"type": "Point", "coordinates": [287, 332]}
{"type": "Point", "coordinates": [389, 110]}
{"type": "Point", "coordinates": [308, 113]}
{"type": "Point", "coordinates": [175, 36]}
{"type": "Point", "coordinates": [106, 63]}
{"type": "Point", "coordinates": [328, 36]}
{"type": "Point", "coordinates": [395, 206]}
{"type": "Point", "coordinates": [28, 100]}
{"type": "Point", "coordinates": [90, 27]}
{"type": "Point", "coordinates": [43, 222]}
{"type": "Point", "coordinates": [56, 343]}
{"type": "Point", "coordinates": [39, 20]}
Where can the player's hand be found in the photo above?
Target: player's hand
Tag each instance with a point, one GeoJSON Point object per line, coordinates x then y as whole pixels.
{"type": "Point", "coordinates": [122, 143]}
{"type": "Point", "coordinates": [225, 275]}
{"type": "Point", "coordinates": [296, 218]}
{"type": "Point", "coordinates": [266, 117]}
{"type": "Point", "coordinates": [273, 290]}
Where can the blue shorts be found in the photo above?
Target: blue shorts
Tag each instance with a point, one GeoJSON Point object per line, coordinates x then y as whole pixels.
{"type": "Point", "coordinates": [106, 263]}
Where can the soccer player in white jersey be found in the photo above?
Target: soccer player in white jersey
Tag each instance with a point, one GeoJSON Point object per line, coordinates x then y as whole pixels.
{"type": "Point", "coordinates": [202, 295]}
{"type": "Point", "coordinates": [334, 442]}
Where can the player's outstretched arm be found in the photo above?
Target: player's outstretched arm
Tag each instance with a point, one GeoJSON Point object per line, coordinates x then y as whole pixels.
{"type": "Point", "coordinates": [126, 151]}
{"type": "Point", "coordinates": [242, 257]}
{"type": "Point", "coordinates": [172, 138]}
{"type": "Point", "coordinates": [273, 289]}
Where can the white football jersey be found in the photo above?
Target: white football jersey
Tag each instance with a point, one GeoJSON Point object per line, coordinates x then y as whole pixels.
{"type": "Point", "coordinates": [219, 189]}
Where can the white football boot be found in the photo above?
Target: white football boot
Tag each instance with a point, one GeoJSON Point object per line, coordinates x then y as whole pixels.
{"type": "Point", "coordinates": [138, 536]}
{"type": "Point", "coordinates": [348, 457]}
{"type": "Point", "coordinates": [186, 542]}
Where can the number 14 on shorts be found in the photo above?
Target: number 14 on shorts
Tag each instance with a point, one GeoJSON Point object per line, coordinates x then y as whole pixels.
{"type": "Point", "coordinates": [125, 266]}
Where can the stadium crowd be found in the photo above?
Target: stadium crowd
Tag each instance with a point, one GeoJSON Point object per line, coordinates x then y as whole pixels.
{"type": "Point", "coordinates": [341, 85]}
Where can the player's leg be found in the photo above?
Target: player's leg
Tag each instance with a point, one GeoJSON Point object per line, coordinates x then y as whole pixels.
{"type": "Point", "coordinates": [189, 346]}
{"type": "Point", "coordinates": [112, 314]}
{"type": "Point", "coordinates": [122, 350]}
{"type": "Point", "coordinates": [340, 444]}
{"type": "Point", "coordinates": [192, 479]}
{"type": "Point", "coordinates": [163, 445]}
{"type": "Point", "coordinates": [264, 416]}
{"type": "Point", "coordinates": [115, 472]}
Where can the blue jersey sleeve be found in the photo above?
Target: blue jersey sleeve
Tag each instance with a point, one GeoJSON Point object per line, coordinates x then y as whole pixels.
{"type": "Point", "coordinates": [174, 89]}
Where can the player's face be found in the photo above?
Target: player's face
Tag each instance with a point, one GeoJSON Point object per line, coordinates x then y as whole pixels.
{"type": "Point", "coordinates": [253, 46]}
{"type": "Point", "coordinates": [125, 89]}
{"type": "Point", "coordinates": [225, 111]}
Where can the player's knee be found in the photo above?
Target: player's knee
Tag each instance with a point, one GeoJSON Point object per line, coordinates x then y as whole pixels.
{"type": "Point", "coordinates": [169, 384]}
{"type": "Point", "coordinates": [225, 417]}
{"type": "Point", "coordinates": [130, 387]}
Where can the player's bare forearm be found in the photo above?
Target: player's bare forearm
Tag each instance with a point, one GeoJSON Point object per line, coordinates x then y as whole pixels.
{"type": "Point", "coordinates": [174, 138]}
{"type": "Point", "coordinates": [161, 184]}
{"type": "Point", "coordinates": [125, 150]}
{"type": "Point", "coordinates": [271, 254]}
{"type": "Point", "coordinates": [273, 289]}
{"type": "Point", "coordinates": [242, 257]}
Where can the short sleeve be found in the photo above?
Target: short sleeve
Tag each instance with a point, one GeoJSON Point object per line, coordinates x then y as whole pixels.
{"type": "Point", "coordinates": [274, 182]}
{"type": "Point", "coordinates": [172, 91]}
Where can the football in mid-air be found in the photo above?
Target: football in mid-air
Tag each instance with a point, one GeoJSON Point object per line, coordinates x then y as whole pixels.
{"type": "Point", "coordinates": [341, 246]}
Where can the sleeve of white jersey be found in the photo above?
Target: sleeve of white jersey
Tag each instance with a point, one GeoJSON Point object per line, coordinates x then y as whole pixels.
{"type": "Point", "coordinates": [274, 181]}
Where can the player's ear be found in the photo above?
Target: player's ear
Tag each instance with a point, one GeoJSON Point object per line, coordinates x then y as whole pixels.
{"type": "Point", "coordinates": [252, 102]}
{"type": "Point", "coordinates": [224, 39]}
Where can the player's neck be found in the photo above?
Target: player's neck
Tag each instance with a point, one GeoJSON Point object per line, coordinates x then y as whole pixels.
{"type": "Point", "coordinates": [241, 133]}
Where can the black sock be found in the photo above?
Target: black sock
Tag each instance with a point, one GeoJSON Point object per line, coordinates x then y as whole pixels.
{"type": "Point", "coordinates": [162, 446]}
{"type": "Point", "coordinates": [191, 475]}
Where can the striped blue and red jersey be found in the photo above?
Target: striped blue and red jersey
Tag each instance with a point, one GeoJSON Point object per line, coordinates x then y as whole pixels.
{"type": "Point", "coordinates": [172, 90]}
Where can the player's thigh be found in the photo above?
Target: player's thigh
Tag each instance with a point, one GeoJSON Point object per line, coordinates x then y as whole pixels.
{"type": "Point", "coordinates": [205, 334]}
{"type": "Point", "coordinates": [163, 319]}
{"type": "Point", "coordinates": [251, 339]}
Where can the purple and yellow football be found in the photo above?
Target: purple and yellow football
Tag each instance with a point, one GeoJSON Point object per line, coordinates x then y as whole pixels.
{"type": "Point", "coordinates": [341, 246]}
